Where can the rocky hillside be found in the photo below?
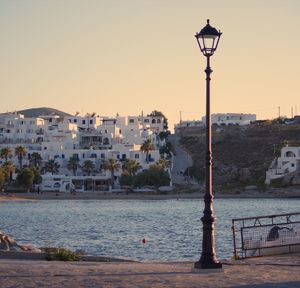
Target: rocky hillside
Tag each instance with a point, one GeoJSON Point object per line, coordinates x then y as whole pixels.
{"type": "Point", "coordinates": [241, 155]}
{"type": "Point", "coordinates": [36, 112]}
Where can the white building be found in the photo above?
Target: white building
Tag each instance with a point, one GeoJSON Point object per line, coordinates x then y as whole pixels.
{"type": "Point", "coordinates": [89, 138]}
{"type": "Point", "coordinates": [89, 121]}
{"type": "Point", "coordinates": [231, 119]}
{"type": "Point", "coordinates": [188, 123]}
{"type": "Point", "coordinates": [14, 128]}
{"type": "Point", "coordinates": [287, 163]}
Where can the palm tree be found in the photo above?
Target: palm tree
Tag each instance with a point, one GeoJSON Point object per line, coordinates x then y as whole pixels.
{"type": "Point", "coordinates": [112, 165]}
{"type": "Point", "coordinates": [146, 147]}
{"type": "Point", "coordinates": [35, 159]}
{"type": "Point", "coordinates": [20, 152]}
{"type": "Point", "coordinates": [9, 169]}
{"type": "Point", "coordinates": [6, 153]}
{"type": "Point", "coordinates": [163, 162]}
{"type": "Point", "coordinates": [131, 166]}
{"type": "Point", "coordinates": [51, 166]}
{"type": "Point", "coordinates": [88, 166]}
{"type": "Point", "coordinates": [73, 163]}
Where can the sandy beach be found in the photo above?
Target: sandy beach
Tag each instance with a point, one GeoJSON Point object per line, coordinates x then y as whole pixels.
{"type": "Point", "coordinates": [276, 272]}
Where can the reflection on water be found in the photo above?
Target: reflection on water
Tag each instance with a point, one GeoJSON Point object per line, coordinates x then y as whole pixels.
{"type": "Point", "coordinates": [116, 227]}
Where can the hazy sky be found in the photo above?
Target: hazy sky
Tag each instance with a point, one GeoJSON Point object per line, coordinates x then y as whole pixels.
{"type": "Point", "coordinates": [125, 56]}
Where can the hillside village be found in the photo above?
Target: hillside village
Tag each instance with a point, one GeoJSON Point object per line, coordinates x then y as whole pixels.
{"type": "Point", "coordinates": [69, 153]}
{"type": "Point", "coordinates": [82, 153]}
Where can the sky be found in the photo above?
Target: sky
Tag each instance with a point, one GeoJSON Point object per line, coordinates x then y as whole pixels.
{"type": "Point", "coordinates": [129, 56]}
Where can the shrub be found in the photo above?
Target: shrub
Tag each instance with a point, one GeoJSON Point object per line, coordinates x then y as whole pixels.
{"type": "Point", "coordinates": [66, 255]}
{"type": "Point", "coordinates": [25, 178]}
{"type": "Point", "coordinates": [126, 179]}
{"type": "Point", "coordinates": [276, 183]}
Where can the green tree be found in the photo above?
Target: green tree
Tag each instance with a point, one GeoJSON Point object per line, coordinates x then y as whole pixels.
{"type": "Point", "coordinates": [163, 135]}
{"type": "Point", "coordinates": [9, 169]}
{"type": "Point", "coordinates": [157, 176]}
{"type": "Point", "coordinates": [167, 149]}
{"type": "Point", "coordinates": [2, 176]}
{"type": "Point", "coordinates": [88, 166]}
{"type": "Point", "coordinates": [51, 166]}
{"type": "Point", "coordinates": [35, 159]}
{"type": "Point", "coordinates": [37, 179]}
{"type": "Point", "coordinates": [141, 179]}
{"type": "Point", "coordinates": [146, 147]}
{"type": "Point", "coordinates": [131, 166]}
{"type": "Point", "coordinates": [111, 165]}
{"type": "Point", "coordinates": [25, 178]}
{"type": "Point", "coordinates": [20, 152]}
{"type": "Point", "coordinates": [127, 179]}
{"type": "Point", "coordinates": [6, 153]}
{"type": "Point", "coordinates": [73, 164]}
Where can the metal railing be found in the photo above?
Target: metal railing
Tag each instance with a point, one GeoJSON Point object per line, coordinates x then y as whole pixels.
{"type": "Point", "coordinates": [266, 235]}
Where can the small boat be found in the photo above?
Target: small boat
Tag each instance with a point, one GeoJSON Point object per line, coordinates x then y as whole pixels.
{"type": "Point", "coordinates": [280, 240]}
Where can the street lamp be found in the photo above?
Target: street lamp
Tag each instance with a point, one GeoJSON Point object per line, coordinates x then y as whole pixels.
{"type": "Point", "coordinates": [208, 40]}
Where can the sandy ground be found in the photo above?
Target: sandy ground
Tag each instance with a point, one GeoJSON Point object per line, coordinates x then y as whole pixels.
{"type": "Point", "coordinates": [267, 272]}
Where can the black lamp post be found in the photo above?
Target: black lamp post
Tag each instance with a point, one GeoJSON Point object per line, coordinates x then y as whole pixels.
{"type": "Point", "coordinates": [208, 39]}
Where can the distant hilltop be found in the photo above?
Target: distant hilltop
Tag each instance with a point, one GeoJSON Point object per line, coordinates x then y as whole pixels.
{"type": "Point", "coordinates": [36, 112]}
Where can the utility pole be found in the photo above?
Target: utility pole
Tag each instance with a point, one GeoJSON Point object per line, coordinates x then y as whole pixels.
{"type": "Point", "coordinates": [180, 119]}
{"type": "Point", "coordinates": [278, 111]}
{"type": "Point", "coordinates": [292, 113]}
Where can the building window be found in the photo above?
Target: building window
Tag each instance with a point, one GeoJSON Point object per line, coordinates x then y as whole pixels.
{"type": "Point", "coordinates": [131, 121]}
{"type": "Point", "coordinates": [146, 120]}
{"type": "Point", "coordinates": [91, 121]}
{"type": "Point", "coordinates": [102, 155]}
{"type": "Point", "coordinates": [83, 122]}
{"type": "Point", "coordinates": [75, 120]}
{"type": "Point", "coordinates": [153, 121]}
{"type": "Point", "coordinates": [290, 154]}
{"type": "Point", "coordinates": [137, 156]}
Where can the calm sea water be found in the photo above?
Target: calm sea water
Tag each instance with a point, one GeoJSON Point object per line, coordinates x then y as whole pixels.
{"type": "Point", "coordinates": [116, 228]}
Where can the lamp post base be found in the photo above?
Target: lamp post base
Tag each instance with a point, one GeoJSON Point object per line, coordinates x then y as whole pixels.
{"type": "Point", "coordinates": [208, 265]}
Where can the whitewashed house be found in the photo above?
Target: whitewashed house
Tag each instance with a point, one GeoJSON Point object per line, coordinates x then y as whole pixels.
{"type": "Point", "coordinates": [287, 163]}
{"type": "Point", "coordinates": [231, 119]}
{"type": "Point", "coordinates": [188, 123]}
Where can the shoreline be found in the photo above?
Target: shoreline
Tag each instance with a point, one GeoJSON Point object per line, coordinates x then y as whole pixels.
{"type": "Point", "coordinates": [278, 193]}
